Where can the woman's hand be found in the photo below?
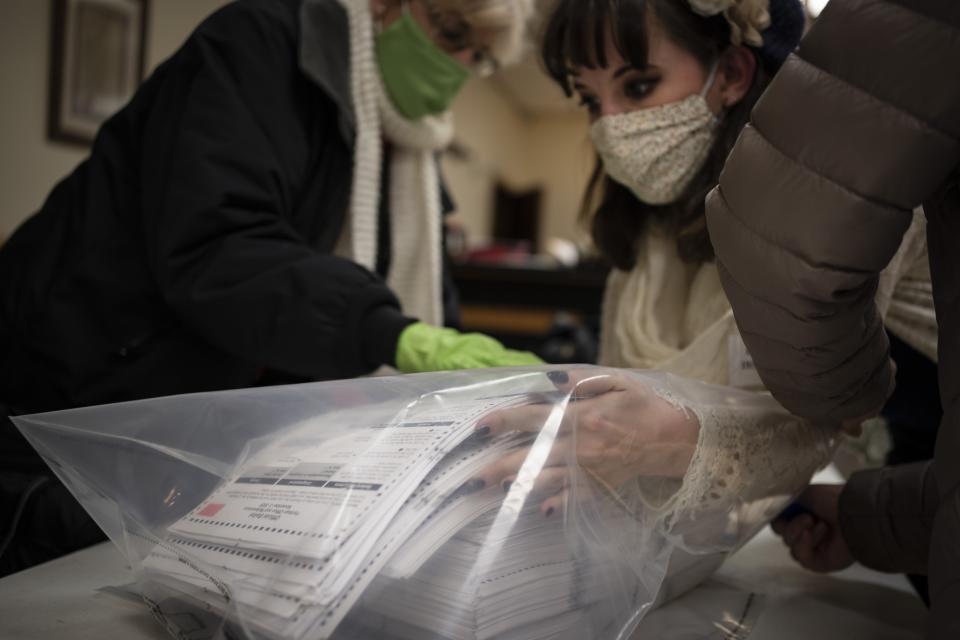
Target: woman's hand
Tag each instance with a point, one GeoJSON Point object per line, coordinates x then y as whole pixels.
{"type": "Point", "coordinates": [614, 428]}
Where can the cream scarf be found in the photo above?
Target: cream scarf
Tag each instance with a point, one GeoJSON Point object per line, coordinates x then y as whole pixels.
{"type": "Point", "coordinates": [415, 211]}
{"type": "Point", "coordinates": [668, 315]}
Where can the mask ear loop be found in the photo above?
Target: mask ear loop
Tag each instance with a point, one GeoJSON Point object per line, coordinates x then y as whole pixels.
{"type": "Point", "coordinates": [711, 78]}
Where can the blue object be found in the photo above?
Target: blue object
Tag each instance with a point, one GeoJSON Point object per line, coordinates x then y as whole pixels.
{"type": "Point", "coordinates": [795, 509]}
{"type": "Point", "coordinates": [787, 19]}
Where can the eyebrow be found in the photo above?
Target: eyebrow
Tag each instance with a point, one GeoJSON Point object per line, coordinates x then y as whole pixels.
{"type": "Point", "coordinates": [616, 74]}
{"type": "Point", "coordinates": [619, 72]}
{"type": "Point", "coordinates": [649, 70]}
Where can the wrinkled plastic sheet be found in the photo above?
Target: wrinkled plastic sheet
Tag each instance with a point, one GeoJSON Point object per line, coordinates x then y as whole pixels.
{"type": "Point", "coordinates": [352, 509]}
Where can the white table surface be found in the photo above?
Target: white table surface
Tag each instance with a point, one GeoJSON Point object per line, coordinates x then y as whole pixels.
{"type": "Point", "coordinates": [63, 600]}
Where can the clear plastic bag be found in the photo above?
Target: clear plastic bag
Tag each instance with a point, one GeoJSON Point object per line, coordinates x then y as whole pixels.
{"type": "Point", "coordinates": [518, 503]}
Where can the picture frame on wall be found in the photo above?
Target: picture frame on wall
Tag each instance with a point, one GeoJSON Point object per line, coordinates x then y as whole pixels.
{"type": "Point", "coordinates": [96, 63]}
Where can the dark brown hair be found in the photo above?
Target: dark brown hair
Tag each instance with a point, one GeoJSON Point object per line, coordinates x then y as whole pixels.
{"type": "Point", "coordinates": [575, 36]}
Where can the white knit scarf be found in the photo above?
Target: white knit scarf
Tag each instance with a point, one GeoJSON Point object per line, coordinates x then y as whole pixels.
{"type": "Point", "coordinates": [666, 314]}
{"type": "Point", "coordinates": [415, 210]}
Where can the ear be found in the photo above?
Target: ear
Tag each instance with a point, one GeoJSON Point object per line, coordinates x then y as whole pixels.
{"type": "Point", "coordinates": [738, 66]}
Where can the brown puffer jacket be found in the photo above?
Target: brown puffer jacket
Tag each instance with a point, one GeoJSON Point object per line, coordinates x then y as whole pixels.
{"type": "Point", "coordinates": [857, 129]}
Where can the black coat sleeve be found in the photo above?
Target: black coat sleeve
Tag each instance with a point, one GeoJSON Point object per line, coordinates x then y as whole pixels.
{"type": "Point", "coordinates": [226, 150]}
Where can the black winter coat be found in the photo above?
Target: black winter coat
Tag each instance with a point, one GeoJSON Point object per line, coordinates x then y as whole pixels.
{"type": "Point", "coordinates": [192, 250]}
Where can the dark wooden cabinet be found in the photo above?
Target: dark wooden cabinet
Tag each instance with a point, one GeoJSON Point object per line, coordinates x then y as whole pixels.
{"type": "Point", "coordinates": [553, 312]}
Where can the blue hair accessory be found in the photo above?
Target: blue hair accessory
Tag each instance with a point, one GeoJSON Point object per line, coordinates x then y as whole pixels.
{"type": "Point", "coordinates": [780, 39]}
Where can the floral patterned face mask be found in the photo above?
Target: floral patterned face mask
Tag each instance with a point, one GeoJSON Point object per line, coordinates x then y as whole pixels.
{"type": "Point", "coordinates": [656, 152]}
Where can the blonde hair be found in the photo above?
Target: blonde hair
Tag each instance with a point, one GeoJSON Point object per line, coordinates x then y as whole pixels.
{"type": "Point", "coordinates": [499, 25]}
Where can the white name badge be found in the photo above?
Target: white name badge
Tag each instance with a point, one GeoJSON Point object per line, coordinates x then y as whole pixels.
{"type": "Point", "coordinates": [742, 372]}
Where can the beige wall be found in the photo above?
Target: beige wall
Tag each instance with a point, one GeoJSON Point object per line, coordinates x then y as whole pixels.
{"type": "Point", "coordinates": [561, 159]}
{"type": "Point", "coordinates": [490, 129]}
{"type": "Point", "coordinates": [549, 150]}
{"type": "Point", "coordinates": [30, 164]}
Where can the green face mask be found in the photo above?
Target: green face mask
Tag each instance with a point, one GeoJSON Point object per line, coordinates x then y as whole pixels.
{"type": "Point", "coordinates": [421, 79]}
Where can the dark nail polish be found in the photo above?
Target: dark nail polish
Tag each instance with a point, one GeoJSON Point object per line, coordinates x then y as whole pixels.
{"type": "Point", "coordinates": [506, 485]}
{"type": "Point", "coordinates": [549, 512]}
{"type": "Point", "coordinates": [483, 431]}
{"type": "Point", "coordinates": [474, 485]}
{"type": "Point", "coordinates": [558, 377]}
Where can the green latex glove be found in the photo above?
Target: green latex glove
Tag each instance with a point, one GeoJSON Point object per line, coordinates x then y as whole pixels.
{"type": "Point", "coordinates": [423, 347]}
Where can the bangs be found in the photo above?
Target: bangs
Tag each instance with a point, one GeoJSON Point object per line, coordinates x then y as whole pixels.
{"type": "Point", "coordinates": [577, 32]}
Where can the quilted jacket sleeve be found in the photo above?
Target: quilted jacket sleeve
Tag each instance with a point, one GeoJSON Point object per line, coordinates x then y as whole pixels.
{"type": "Point", "coordinates": [857, 129]}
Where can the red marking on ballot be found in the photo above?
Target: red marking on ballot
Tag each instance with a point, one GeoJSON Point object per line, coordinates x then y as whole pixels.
{"type": "Point", "coordinates": [211, 510]}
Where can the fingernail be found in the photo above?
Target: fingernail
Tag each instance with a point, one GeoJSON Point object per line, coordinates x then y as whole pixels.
{"type": "Point", "coordinates": [474, 485]}
{"type": "Point", "coordinates": [506, 485]}
{"type": "Point", "coordinates": [549, 512]}
{"type": "Point", "coordinates": [483, 431]}
{"type": "Point", "coordinates": [558, 377]}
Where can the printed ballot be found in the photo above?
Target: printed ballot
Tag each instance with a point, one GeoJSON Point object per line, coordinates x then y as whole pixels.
{"type": "Point", "coordinates": [303, 528]}
{"type": "Point", "coordinates": [351, 510]}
